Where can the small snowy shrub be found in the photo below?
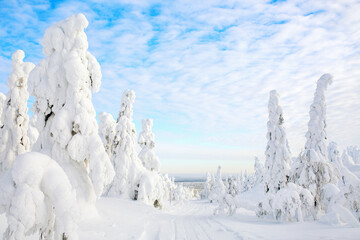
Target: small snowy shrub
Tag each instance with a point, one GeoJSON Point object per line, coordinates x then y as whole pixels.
{"type": "Point", "coordinates": [37, 197]}
{"type": "Point", "coordinates": [218, 190]}
{"type": "Point", "coordinates": [290, 203]}
{"type": "Point", "coordinates": [13, 134]}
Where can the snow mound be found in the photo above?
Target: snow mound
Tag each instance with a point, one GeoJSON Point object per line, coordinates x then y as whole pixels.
{"type": "Point", "coordinates": [37, 197]}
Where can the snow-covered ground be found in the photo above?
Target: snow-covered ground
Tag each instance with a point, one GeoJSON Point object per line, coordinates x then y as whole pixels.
{"type": "Point", "coordinates": [120, 218]}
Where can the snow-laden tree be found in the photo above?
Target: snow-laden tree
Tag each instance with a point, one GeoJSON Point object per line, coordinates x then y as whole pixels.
{"type": "Point", "coordinates": [313, 169]}
{"type": "Point", "coordinates": [37, 197]}
{"type": "Point", "coordinates": [208, 185]}
{"type": "Point", "coordinates": [259, 171]}
{"type": "Point", "coordinates": [2, 106]}
{"type": "Point", "coordinates": [13, 134]}
{"type": "Point", "coordinates": [347, 192]}
{"type": "Point", "coordinates": [107, 131]}
{"type": "Point", "coordinates": [218, 190]}
{"type": "Point", "coordinates": [277, 163]}
{"type": "Point", "coordinates": [147, 144]}
{"type": "Point", "coordinates": [62, 84]}
{"type": "Point", "coordinates": [126, 163]}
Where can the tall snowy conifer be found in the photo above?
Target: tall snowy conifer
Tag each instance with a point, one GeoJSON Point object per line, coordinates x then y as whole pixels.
{"type": "Point", "coordinates": [13, 134]}
{"type": "Point", "coordinates": [62, 84]}
{"type": "Point", "coordinates": [277, 163]}
{"type": "Point", "coordinates": [124, 159]}
{"type": "Point", "coordinates": [147, 144]}
{"type": "Point", "coordinates": [313, 169]}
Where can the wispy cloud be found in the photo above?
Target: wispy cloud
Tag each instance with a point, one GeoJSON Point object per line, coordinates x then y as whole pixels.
{"type": "Point", "coordinates": [203, 69]}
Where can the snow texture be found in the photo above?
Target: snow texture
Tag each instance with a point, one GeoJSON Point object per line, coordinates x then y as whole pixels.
{"type": "Point", "coordinates": [147, 144]}
{"type": "Point", "coordinates": [277, 163]}
{"type": "Point", "coordinates": [37, 197]}
{"type": "Point", "coordinates": [62, 84]}
{"type": "Point", "coordinates": [13, 134]}
{"type": "Point", "coordinates": [313, 169]}
{"type": "Point", "coordinates": [2, 106]}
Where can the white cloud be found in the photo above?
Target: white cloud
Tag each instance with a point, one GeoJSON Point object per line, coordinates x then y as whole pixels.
{"type": "Point", "coordinates": [207, 66]}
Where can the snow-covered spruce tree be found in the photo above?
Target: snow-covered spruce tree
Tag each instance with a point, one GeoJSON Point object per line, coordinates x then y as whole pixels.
{"type": "Point", "coordinates": [219, 188]}
{"type": "Point", "coordinates": [277, 163]}
{"type": "Point", "coordinates": [354, 153]}
{"type": "Point", "coordinates": [126, 163]}
{"type": "Point", "coordinates": [62, 84]}
{"type": "Point", "coordinates": [2, 106]}
{"type": "Point", "coordinates": [147, 144]}
{"type": "Point", "coordinates": [13, 134]}
{"type": "Point", "coordinates": [37, 197]}
{"type": "Point", "coordinates": [259, 171]}
{"type": "Point", "coordinates": [313, 169]}
{"type": "Point", "coordinates": [107, 131]}
{"type": "Point", "coordinates": [204, 194]}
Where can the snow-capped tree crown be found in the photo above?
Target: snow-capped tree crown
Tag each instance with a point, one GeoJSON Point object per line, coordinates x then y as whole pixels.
{"type": "Point", "coordinates": [146, 137]}
{"type": "Point", "coordinates": [127, 100]}
{"type": "Point", "coordinates": [316, 137]}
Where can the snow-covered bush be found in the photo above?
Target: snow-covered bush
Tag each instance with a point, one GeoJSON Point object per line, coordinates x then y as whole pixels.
{"type": "Point", "coordinates": [107, 131]}
{"type": "Point", "coordinates": [37, 197]}
{"type": "Point", "coordinates": [290, 203]}
{"type": "Point", "coordinates": [277, 163]}
{"type": "Point", "coordinates": [313, 169]}
{"type": "Point", "coordinates": [126, 163]}
{"type": "Point", "coordinates": [13, 134]}
{"type": "Point", "coordinates": [62, 85]}
{"type": "Point", "coordinates": [147, 144]}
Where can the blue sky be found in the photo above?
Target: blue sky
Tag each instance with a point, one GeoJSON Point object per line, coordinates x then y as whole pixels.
{"type": "Point", "coordinates": [203, 69]}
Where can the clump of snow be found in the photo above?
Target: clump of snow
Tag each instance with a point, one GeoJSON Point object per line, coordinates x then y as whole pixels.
{"type": "Point", "coordinates": [38, 198]}
{"type": "Point", "coordinates": [62, 84]}
{"type": "Point", "coordinates": [14, 118]}
{"type": "Point", "coordinates": [147, 144]}
{"type": "Point", "coordinates": [277, 163]}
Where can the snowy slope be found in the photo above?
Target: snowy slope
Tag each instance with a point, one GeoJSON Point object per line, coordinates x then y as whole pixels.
{"type": "Point", "coordinates": [125, 219]}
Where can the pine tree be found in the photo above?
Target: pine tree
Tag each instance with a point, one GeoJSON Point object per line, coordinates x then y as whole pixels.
{"type": "Point", "coordinates": [277, 163]}
{"type": "Point", "coordinates": [147, 144]}
{"type": "Point", "coordinates": [314, 170]}
{"type": "Point", "coordinates": [13, 134]}
{"type": "Point", "coordinates": [62, 84]}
